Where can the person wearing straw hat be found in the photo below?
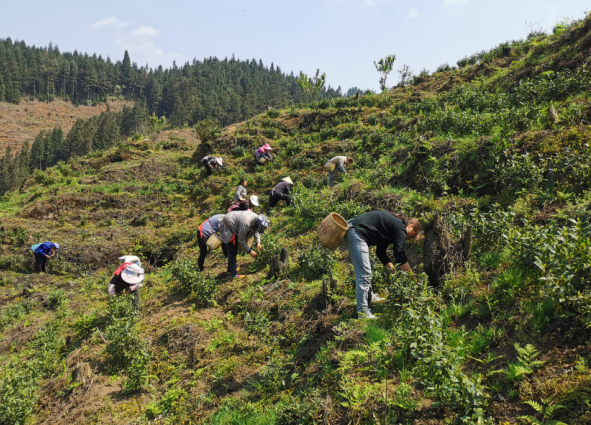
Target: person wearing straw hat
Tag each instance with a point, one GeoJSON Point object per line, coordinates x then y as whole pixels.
{"type": "Point", "coordinates": [245, 205]}
{"type": "Point", "coordinates": [236, 229]}
{"type": "Point", "coordinates": [280, 193]}
{"type": "Point", "coordinates": [263, 152]}
{"type": "Point", "coordinates": [127, 279]}
{"type": "Point", "coordinates": [206, 229]}
{"type": "Point", "coordinates": [43, 252]}
{"type": "Point", "coordinates": [240, 194]}
{"type": "Point", "coordinates": [379, 229]}
{"type": "Point", "coordinates": [339, 167]}
{"type": "Point", "coordinates": [210, 163]}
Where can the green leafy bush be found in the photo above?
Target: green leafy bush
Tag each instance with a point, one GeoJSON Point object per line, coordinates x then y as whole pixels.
{"type": "Point", "coordinates": [13, 312]}
{"type": "Point", "coordinates": [316, 262]}
{"type": "Point", "coordinates": [194, 282]}
{"type": "Point", "coordinates": [125, 351]}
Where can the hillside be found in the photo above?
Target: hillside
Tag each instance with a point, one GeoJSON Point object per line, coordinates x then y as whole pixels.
{"type": "Point", "coordinates": [227, 90]}
{"type": "Point", "coordinates": [21, 123]}
{"type": "Point", "coordinates": [499, 148]}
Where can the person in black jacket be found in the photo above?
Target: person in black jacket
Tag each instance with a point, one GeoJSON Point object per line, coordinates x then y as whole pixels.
{"type": "Point", "coordinates": [280, 193]}
{"type": "Point", "coordinates": [379, 229]}
{"type": "Point", "coordinates": [210, 163]}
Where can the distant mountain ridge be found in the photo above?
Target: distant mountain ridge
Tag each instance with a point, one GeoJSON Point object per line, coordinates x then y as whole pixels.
{"type": "Point", "coordinates": [228, 90]}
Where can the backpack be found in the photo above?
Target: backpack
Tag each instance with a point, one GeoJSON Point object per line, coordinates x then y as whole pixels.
{"type": "Point", "coordinates": [35, 247]}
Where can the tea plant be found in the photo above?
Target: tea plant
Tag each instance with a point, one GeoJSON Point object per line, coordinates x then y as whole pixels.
{"type": "Point", "coordinates": [14, 312]}
{"type": "Point", "coordinates": [316, 262]}
{"type": "Point", "coordinates": [125, 351]}
{"type": "Point", "coordinates": [195, 283]}
{"type": "Point", "coordinates": [21, 378]}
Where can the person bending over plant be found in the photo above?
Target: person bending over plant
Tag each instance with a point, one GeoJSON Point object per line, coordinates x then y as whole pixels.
{"type": "Point", "coordinates": [127, 279]}
{"type": "Point", "coordinates": [207, 229]}
{"type": "Point", "coordinates": [43, 252]}
{"type": "Point", "coordinates": [379, 229]}
{"type": "Point", "coordinates": [236, 229]}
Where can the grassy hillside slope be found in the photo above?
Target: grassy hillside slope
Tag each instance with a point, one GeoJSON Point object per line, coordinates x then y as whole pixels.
{"type": "Point", "coordinates": [501, 145]}
{"type": "Point", "coordinates": [21, 123]}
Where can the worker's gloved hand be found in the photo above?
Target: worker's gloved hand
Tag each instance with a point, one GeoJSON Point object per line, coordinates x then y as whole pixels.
{"type": "Point", "coordinates": [259, 247]}
{"type": "Point", "coordinates": [253, 254]}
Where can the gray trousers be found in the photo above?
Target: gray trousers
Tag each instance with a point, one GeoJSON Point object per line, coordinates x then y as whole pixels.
{"type": "Point", "coordinates": [359, 252]}
{"type": "Point", "coordinates": [331, 177]}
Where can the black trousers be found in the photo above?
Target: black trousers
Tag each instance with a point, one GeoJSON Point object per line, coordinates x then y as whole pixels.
{"type": "Point", "coordinates": [276, 197]}
{"type": "Point", "coordinates": [203, 251]}
{"type": "Point", "coordinates": [40, 262]}
{"type": "Point", "coordinates": [208, 168]}
{"type": "Point", "coordinates": [232, 253]}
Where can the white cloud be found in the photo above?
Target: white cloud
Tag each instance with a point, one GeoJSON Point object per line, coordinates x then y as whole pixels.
{"type": "Point", "coordinates": [140, 42]}
{"type": "Point", "coordinates": [142, 47]}
{"type": "Point", "coordinates": [413, 13]}
{"type": "Point", "coordinates": [448, 3]}
{"type": "Point", "coordinates": [109, 22]}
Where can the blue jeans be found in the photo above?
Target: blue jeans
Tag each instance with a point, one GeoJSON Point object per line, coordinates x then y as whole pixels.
{"type": "Point", "coordinates": [359, 252]}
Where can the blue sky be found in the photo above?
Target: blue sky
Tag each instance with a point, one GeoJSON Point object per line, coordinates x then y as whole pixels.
{"type": "Point", "coordinates": [341, 37]}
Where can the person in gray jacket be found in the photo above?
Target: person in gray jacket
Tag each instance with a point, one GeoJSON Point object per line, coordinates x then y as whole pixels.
{"type": "Point", "coordinates": [235, 229]}
{"type": "Point", "coordinates": [240, 191]}
{"type": "Point", "coordinates": [340, 162]}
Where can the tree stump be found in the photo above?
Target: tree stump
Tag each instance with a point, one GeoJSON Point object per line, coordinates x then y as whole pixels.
{"type": "Point", "coordinates": [279, 264]}
{"type": "Point", "coordinates": [82, 373]}
{"type": "Point", "coordinates": [441, 254]}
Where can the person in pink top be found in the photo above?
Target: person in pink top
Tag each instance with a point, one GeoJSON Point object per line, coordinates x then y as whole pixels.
{"type": "Point", "coordinates": [263, 152]}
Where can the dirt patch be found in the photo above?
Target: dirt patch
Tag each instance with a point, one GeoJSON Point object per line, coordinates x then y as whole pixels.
{"type": "Point", "coordinates": [23, 122]}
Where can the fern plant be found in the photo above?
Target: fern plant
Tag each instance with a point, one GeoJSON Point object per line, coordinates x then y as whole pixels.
{"type": "Point", "coordinates": [527, 356]}
{"type": "Point", "coordinates": [545, 409]}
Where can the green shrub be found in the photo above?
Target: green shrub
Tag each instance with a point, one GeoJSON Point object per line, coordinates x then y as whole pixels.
{"type": "Point", "coordinates": [15, 263]}
{"type": "Point", "coordinates": [21, 379]}
{"type": "Point", "coordinates": [13, 312]}
{"type": "Point", "coordinates": [57, 298]}
{"type": "Point", "coordinates": [194, 282]}
{"type": "Point", "coordinates": [316, 262]}
{"type": "Point", "coordinates": [125, 351]}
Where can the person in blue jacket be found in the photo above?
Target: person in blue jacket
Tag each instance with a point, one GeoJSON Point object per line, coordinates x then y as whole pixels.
{"type": "Point", "coordinates": [44, 252]}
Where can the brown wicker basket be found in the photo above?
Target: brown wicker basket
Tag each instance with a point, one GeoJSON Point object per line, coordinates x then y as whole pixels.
{"type": "Point", "coordinates": [214, 242]}
{"type": "Point", "coordinates": [330, 166]}
{"type": "Point", "coordinates": [332, 230]}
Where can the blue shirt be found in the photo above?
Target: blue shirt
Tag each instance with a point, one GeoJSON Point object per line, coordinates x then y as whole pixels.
{"type": "Point", "coordinates": [212, 226]}
{"type": "Point", "coordinates": [45, 248]}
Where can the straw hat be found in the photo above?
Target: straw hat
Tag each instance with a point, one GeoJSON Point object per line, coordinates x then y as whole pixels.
{"type": "Point", "coordinates": [219, 160]}
{"type": "Point", "coordinates": [254, 200]}
{"type": "Point", "coordinates": [130, 259]}
{"type": "Point", "coordinates": [287, 179]}
{"type": "Point", "coordinates": [132, 274]}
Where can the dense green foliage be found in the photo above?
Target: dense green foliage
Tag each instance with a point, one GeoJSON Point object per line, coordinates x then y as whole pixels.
{"type": "Point", "coordinates": [229, 90]}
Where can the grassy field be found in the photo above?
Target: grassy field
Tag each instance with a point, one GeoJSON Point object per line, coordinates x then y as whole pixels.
{"type": "Point", "coordinates": [500, 146]}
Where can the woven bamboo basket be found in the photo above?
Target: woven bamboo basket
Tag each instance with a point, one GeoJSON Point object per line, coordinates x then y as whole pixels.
{"type": "Point", "coordinates": [214, 242]}
{"type": "Point", "coordinates": [330, 166]}
{"type": "Point", "coordinates": [332, 230]}
{"type": "Point", "coordinates": [249, 242]}
{"type": "Point", "coordinates": [262, 160]}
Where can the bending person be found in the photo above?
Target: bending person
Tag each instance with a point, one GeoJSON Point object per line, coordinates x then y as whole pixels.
{"type": "Point", "coordinates": [206, 229]}
{"type": "Point", "coordinates": [127, 279]}
{"type": "Point", "coordinates": [245, 205]}
{"type": "Point", "coordinates": [211, 163]}
{"type": "Point", "coordinates": [240, 191]}
{"type": "Point", "coordinates": [280, 193]}
{"type": "Point", "coordinates": [43, 252]}
{"type": "Point", "coordinates": [236, 229]}
{"type": "Point", "coordinates": [379, 229]}
{"type": "Point", "coordinates": [339, 162]}
{"type": "Point", "coordinates": [263, 152]}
